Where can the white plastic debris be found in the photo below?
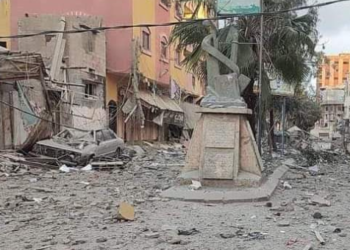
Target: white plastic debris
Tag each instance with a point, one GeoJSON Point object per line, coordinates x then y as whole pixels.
{"type": "Point", "coordinates": [87, 168]}
{"type": "Point", "coordinates": [286, 185]}
{"type": "Point", "coordinates": [65, 169]}
{"type": "Point", "coordinates": [38, 200]}
{"type": "Point", "coordinates": [314, 169]}
{"type": "Point", "coordinates": [195, 185]}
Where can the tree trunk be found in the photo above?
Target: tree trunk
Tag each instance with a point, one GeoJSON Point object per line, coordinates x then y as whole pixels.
{"type": "Point", "coordinates": [272, 131]}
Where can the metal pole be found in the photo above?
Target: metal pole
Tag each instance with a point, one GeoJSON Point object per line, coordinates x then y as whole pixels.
{"type": "Point", "coordinates": [283, 122]}
{"type": "Point", "coordinates": [260, 75]}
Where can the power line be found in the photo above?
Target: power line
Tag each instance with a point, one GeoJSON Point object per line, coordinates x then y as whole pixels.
{"type": "Point", "coordinates": [150, 25]}
{"type": "Point", "coordinates": [36, 116]}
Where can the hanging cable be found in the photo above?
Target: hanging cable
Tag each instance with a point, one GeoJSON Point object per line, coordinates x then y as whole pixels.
{"type": "Point", "coordinates": [150, 25]}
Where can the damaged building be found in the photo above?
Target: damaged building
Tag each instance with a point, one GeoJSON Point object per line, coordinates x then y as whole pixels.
{"type": "Point", "coordinates": [76, 64]}
{"type": "Point", "coordinates": [92, 73]}
{"type": "Point", "coordinates": [24, 100]}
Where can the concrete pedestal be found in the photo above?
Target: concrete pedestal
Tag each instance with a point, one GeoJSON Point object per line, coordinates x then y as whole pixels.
{"type": "Point", "coordinates": [223, 149]}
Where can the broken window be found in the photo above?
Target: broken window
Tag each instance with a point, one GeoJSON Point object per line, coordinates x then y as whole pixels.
{"type": "Point", "coordinates": [3, 44]}
{"type": "Point", "coordinates": [178, 56]}
{"type": "Point", "coordinates": [146, 39]}
{"type": "Point", "coordinates": [108, 135]}
{"type": "Point", "coordinates": [99, 136]}
{"type": "Point", "coordinates": [90, 89]}
{"type": "Point", "coordinates": [164, 48]}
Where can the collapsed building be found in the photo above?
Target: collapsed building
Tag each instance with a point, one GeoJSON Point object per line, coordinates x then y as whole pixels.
{"type": "Point", "coordinates": [76, 65]}
{"type": "Point", "coordinates": [25, 107]}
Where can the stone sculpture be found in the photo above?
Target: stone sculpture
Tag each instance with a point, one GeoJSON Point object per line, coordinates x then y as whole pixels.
{"type": "Point", "coordinates": [223, 91]}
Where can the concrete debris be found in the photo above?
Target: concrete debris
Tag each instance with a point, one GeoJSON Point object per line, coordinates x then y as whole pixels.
{"type": "Point", "coordinates": [89, 202]}
{"type": "Point", "coordinates": [189, 232]}
{"type": "Point", "coordinates": [320, 238]}
{"type": "Point", "coordinates": [227, 236]}
{"type": "Point", "coordinates": [87, 168]}
{"type": "Point", "coordinates": [101, 240]}
{"type": "Point", "coordinates": [283, 223]}
{"type": "Point", "coordinates": [126, 212]}
{"type": "Point", "coordinates": [308, 247]}
{"type": "Point", "coordinates": [318, 200]}
{"type": "Point", "coordinates": [314, 170]}
{"type": "Point", "coordinates": [195, 185]}
{"type": "Point", "coordinates": [286, 185]}
{"type": "Point", "coordinates": [152, 235]}
{"type": "Point", "coordinates": [65, 169]}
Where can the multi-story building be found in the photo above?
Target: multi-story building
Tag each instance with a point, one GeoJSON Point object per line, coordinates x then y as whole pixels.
{"type": "Point", "coordinates": [158, 64]}
{"type": "Point", "coordinates": [331, 82]}
{"type": "Point", "coordinates": [333, 72]}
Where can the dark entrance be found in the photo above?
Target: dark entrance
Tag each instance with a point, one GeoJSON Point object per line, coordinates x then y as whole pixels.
{"type": "Point", "coordinates": [112, 107]}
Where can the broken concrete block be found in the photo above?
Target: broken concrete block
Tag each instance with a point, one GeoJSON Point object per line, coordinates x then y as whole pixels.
{"type": "Point", "coordinates": [195, 185]}
{"type": "Point", "coordinates": [283, 223]}
{"type": "Point", "coordinates": [152, 235]}
{"type": "Point", "coordinates": [286, 185]}
{"type": "Point", "coordinates": [126, 212]}
{"type": "Point", "coordinates": [318, 200]}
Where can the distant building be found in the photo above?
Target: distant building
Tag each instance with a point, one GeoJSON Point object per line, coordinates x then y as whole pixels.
{"type": "Point", "coordinates": [333, 72]}
{"type": "Point", "coordinates": [331, 85]}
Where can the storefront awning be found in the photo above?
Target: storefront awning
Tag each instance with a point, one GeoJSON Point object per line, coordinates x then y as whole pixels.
{"type": "Point", "coordinates": [170, 111]}
{"type": "Point", "coordinates": [162, 102]}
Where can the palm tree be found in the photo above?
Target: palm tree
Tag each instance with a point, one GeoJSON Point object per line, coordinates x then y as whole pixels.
{"type": "Point", "coordinates": [289, 45]}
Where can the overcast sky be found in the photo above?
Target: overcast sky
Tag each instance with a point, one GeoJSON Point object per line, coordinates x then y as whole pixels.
{"type": "Point", "coordinates": [334, 27]}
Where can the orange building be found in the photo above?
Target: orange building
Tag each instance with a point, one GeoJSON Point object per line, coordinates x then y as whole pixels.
{"type": "Point", "coordinates": [333, 72]}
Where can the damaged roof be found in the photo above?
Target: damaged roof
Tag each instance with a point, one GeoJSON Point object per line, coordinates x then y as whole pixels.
{"type": "Point", "coordinates": [15, 66]}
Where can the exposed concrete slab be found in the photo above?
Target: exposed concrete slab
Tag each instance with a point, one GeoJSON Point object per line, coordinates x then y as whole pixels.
{"type": "Point", "coordinates": [228, 195]}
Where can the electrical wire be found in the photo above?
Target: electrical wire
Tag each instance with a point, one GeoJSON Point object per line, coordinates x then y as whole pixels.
{"type": "Point", "coordinates": [150, 25]}
{"type": "Point", "coordinates": [40, 118]}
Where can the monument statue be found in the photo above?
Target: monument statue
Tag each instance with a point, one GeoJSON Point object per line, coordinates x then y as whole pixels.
{"type": "Point", "coordinates": [223, 91]}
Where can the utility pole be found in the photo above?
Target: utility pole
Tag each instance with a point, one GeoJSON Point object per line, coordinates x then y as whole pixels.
{"type": "Point", "coordinates": [261, 65]}
{"type": "Point", "coordinates": [283, 123]}
{"type": "Point", "coordinates": [135, 81]}
{"type": "Point", "coordinates": [346, 114]}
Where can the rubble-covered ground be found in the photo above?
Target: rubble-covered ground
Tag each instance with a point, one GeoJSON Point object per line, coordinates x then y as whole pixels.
{"type": "Point", "coordinates": [46, 209]}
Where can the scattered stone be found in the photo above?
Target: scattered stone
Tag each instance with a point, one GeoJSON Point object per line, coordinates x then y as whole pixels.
{"type": "Point", "coordinates": [283, 223]}
{"type": "Point", "coordinates": [139, 201]}
{"type": "Point", "coordinates": [308, 247]}
{"type": "Point", "coordinates": [195, 185]}
{"type": "Point", "coordinates": [286, 185]}
{"type": "Point", "coordinates": [126, 212]}
{"type": "Point", "coordinates": [174, 241]}
{"type": "Point", "coordinates": [318, 200]}
{"type": "Point", "coordinates": [78, 242]}
{"type": "Point", "coordinates": [227, 236]}
{"type": "Point", "coordinates": [268, 204]}
{"type": "Point", "coordinates": [101, 240]}
{"type": "Point", "coordinates": [317, 216]}
{"type": "Point", "coordinates": [28, 247]}
{"type": "Point", "coordinates": [320, 238]}
{"type": "Point", "coordinates": [152, 235]}
{"type": "Point", "coordinates": [192, 231]}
